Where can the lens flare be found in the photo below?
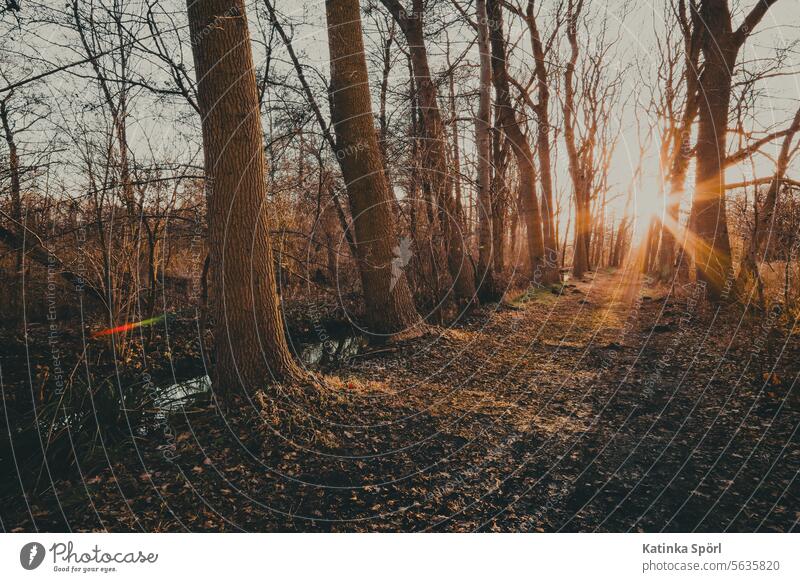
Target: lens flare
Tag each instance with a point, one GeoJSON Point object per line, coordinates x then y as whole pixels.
{"type": "Point", "coordinates": [128, 326]}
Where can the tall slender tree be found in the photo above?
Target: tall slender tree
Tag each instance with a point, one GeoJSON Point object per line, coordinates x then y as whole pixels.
{"type": "Point", "coordinates": [483, 146]}
{"type": "Point", "coordinates": [390, 308]}
{"type": "Point", "coordinates": [437, 177]}
{"type": "Point", "coordinates": [581, 183]}
{"type": "Point", "coordinates": [680, 136]}
{"type": "Point", "coordinates": [543, 146]}
{"type": "Point", "coordinates": [522, 150]}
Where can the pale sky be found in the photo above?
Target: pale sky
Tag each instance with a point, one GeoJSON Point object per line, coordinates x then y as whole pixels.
{"type": "Point", "coordinates": [170, 129]}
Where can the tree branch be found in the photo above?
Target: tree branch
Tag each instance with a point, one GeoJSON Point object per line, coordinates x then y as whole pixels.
{"type": "Point", "coordinates": [743, 153]}
{"type": "Point", "coordinates": [752, 20]}
{"type": "Point", "coordinates": [761, 182]}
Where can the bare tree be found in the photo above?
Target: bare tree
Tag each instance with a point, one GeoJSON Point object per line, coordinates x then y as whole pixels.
{"type": "Point", "coordinates": [590, 101]}
{"type": "Point", "coordinates": [542, 272]}
{"type": "Point", "coordinates": [541, 52]}
{"type": "Point", "coordinates": [249, 343]}
{"type": "Point", "coordinates": [437, 176]}
{"type": "Point", "coordinates": [765, 216]}
{"type": "Point", "coordinates": [483, 143]}
{"type": "Point", "coordinates": [390, 308]}
{"type": "Point", "coordinates": [578, 171]}
{"type": "Point", "coordinates": [720, 49]}
{"type": "Point", "coordinates": [676, 146]}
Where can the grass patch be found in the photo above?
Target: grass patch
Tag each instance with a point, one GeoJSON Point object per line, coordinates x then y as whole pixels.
{"type": "Point", "coordinates": [543, 294]}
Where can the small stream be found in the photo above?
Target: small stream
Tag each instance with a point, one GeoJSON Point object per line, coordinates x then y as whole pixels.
{"type": "Point", "coordinates": [331, 353]}
{"type": "Point", "coordinates": [340, 347]}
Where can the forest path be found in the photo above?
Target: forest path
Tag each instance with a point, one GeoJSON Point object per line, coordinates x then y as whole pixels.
{"type": "Point", "coordinates": [606, 405]}
{"type": "Point", "coordinates": [611, 405]}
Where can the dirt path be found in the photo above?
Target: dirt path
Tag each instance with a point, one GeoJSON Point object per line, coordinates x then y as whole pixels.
{"type": "Point", "coordinates": [608, 406]}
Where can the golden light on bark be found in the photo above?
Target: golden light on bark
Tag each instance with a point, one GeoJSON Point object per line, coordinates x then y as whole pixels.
{"type": "Point", "coordinates": [648, 204]}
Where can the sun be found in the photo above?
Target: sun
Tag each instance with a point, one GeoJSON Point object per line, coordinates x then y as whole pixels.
{"type": "Point", "coordinates": [648, 204]}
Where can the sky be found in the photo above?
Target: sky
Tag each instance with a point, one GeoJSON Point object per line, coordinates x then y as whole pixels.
{"type": "Point", "coordinates": [158, 127]}
{"type": "Point", "coordinates": [636, 25]}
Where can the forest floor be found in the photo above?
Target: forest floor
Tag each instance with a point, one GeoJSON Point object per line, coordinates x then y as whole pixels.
{"type": "Point", "coordinates": [607, 405]}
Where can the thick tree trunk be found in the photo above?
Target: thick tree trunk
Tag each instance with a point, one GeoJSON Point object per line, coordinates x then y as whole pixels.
{"type": "Point", "coordinates": [436, 175]}
{"type": "Point", "coordinates": [720, 49]}
{"type": "Point", "coordinates": [389, 306]}
{"type": "Point", "coordinates": [709, 220]}
{"type": "Point", "coordinates": [542, 273]}
{"type": "Point", "coordinates": [583, 226]}
{"type": "Point", "coordinates": [249, 344]}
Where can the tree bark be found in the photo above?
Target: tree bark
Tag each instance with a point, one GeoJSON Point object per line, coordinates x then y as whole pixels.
{"type": "Point", "coordinates": [709, 220]}
{"type": "Point", "coordinates": [578, 173]}
{"type": "Point", "coordinates": [249, 344]}
{"type": "Point", "coordinates": [436, 175]}
{"type": "Point", "coordinates": [483, 124]}
{"type": "Point", "coordinates": [541, 272]}
{"type": "Point", "coordinates": [720, 49]}
{"type": "Point", "coordinates": [543, 148]}
{"type": "Point", "coordinates": [389, 306]}
{"type": "Point", "coordinates": [499, 197]}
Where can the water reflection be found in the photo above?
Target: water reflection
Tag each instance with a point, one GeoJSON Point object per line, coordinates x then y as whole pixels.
{"type": "Point", "coordinates": [176, 395]}
{"type": "Point", "coordinates": [330, 353]}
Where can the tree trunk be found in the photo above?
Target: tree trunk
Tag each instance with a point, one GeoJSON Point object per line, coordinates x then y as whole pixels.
{"type": "Point", "coordinates": [389, 306]}
{"type": "Point", "coordinates": [693, 31]}
{"type": "Point", "coordinates": [249, 343]}
{"type": "Point", "coordinates": [566, 233]}
{"type": "Point", "coordinates": [499, 197]}
{"type": "Point", "coordinates": [709, 220]}
{"type": "Point", "coordinates": [486, 282]}
{"type": "Point", "coordinates": [580, 259]}
{"type": "Point", "coordinates": [542, 273]}
{"type": "Point", "coordinates": [578, 173]}
{"type": "Point", "coordinates": [543, 140]}
{"type": "Point", "coordinates": [383, 122]}
{"type": "Point", "coordinates": [16, 202]}
{"type": "Point", "coordinates": [436, 174]}
{"type": "Point", "coordinates": [720, 49]}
